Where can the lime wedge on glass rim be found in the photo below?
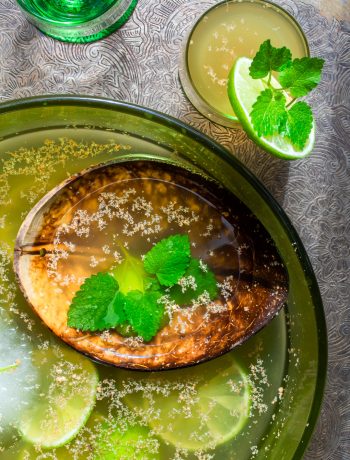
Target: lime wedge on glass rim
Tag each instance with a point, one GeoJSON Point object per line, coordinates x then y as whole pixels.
{"type": "Point", "coordinates": [65, 398]}
{"type": "Point", "coordinates": [199, 408]}
{"type": "Point", "coordinates": [243, 91]}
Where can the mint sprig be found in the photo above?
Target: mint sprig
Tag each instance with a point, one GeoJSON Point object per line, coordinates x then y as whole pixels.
{"type": "Point", "coordinates": [276, 112]}
{"type": "Point", "coordinates": [96, 306]}
{"type": "Point", "coordinates": [196, 280]}
{"type": "Point", "coordinates": [169, 259]}
{"type": "Point", "coordinates": [129, 298]}
{"type": "Point", "coordinates": [269, 58]}
{"type": "Point", "coordinates": [301, 76]}
{"type": "Point", "coordinates": [144, 313]}
{"type": "Point", "coordinates": [299, 123]}
{"type": "Point", "coordinates": [269, 113]}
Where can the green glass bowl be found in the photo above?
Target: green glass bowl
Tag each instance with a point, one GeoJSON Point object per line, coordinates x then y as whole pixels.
{"type": "Point", "coordinates": [31, 130]}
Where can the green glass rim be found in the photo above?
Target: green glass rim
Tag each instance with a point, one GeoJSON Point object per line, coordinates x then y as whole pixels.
{"type": "Point", "coordinates": [218, 116]}
{"type": "Point", "coordinates": [43, 23]}
{"type": "Point", "coordinates": [38, 17]}
{"type": "Point", "coordinates": [254, 182]}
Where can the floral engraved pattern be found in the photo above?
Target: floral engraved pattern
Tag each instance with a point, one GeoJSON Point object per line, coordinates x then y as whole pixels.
{"type": "Point", "coordinates": [139, 64]}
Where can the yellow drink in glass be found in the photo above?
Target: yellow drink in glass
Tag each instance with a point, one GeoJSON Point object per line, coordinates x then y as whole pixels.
{"type": "Point", "coordinates": [222, 34]}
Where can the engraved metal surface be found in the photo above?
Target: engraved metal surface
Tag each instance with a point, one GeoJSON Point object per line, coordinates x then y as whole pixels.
{"type": "Point", "coordinates": [139, 64]}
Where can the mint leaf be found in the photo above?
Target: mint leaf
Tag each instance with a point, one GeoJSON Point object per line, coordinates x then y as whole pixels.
{"type": "Point", "coordinates": [301, 75]}
{"type": "Point", "coordinates": [115, 312]}
{"type": "Point", "coordinates": [144, 313]}
{"type": "Point", "coordinates": [299, 124]}
{"type": "Point", "coordinates": [269, 113]}
{"type": "Point", "coordinates": [195, 277]}
{"type": "Point", "coordinates": [151, 284]}
{"type": "Point", "coordinates": [97, 298]}
{"type": "Point", "coordinates": [267, 59]}
{"type": "Point", "coordinates": [130, 273]}
{"type": "Point", "coordinates": [169, 259]}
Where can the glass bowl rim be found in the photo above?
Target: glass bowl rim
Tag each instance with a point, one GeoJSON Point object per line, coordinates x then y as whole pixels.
{"type": "Point", "coordinates": [254, 182]}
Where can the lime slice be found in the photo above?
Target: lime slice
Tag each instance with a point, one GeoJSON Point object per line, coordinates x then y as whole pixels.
{"type": "Point", "coordinates": [32, 453]}
{"type": "Point", "coordinates": [198, 408]}
{"type": "Point", "coordinates": [126, 442]}
{"type": "Point", "coordinates": [64, 401]}
{"type": "Point", "coordinates": [243, 92]}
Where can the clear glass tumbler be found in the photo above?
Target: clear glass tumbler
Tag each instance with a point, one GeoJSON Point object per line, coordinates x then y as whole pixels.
{"type": "Point", "coordinates": [226, 31]}
{"type": "Point", "coordinates": [77, 21]}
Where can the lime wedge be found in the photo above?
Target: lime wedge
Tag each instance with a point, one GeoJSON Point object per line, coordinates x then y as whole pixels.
{"type": "Point", "coordinates": [243, 92]}
{"type": "Point", "coordinates": [64, 401]}
{"type": "Point", "coordinates": [197, 408]}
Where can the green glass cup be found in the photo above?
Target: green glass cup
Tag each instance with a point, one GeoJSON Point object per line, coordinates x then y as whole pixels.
{"type": "Point", "coordinates": [78, 21]}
